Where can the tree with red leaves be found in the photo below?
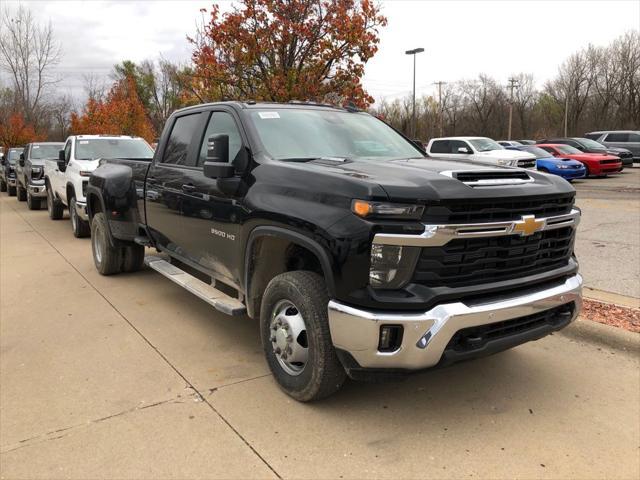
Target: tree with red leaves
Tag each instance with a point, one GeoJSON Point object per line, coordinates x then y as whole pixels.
{"type": "Point", "coordinates": [281, 50]}
{"type": "Point", "coordinates": [120, 113]}
{"type": "Point", "coordinates": [16, 132]}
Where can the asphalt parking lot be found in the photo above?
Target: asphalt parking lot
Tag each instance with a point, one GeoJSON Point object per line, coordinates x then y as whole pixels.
{"type": "Point", "coordinates": [132, 377]}
{"type": "Point", "coordinates": [608, 241]}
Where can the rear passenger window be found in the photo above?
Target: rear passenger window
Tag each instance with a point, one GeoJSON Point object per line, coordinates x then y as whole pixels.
{"type": "Point", "coordinates": [175, 152]}
{"type": "Point", "coordinates": [440, 146]}
{"type": "Point", "coordinates": [619, 137]}
{"type": "Point", "coordinates": [221, 123]}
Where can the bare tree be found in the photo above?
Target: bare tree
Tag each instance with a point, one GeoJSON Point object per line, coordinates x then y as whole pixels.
{"type": "Point", "coordinates": [94, 86]}
{"type": "Point", "coordinates": [28, 51]}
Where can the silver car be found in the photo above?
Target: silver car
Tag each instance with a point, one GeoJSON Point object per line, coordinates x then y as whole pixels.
{"type": "Point", "coordinates": [629, 139]}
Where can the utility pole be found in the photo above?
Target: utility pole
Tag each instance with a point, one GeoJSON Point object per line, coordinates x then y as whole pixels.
{"type": "Point", "coordinates": [441, 119]}
{"type": "Point", "coordinates": [513, 83]}
{"type": "Point", "coordinates": [566, 113]}
{"type": "Point", "coordinates": [413, 116]}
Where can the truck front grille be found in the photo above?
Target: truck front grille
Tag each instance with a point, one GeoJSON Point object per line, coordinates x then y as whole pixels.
{"type": "Point", "coordinates": [526, 163]}
{"type": "Point", "coordinates": [493, 210]}
{"type": "Point", "coordinates": [475, 261]}
{"type": "Point", "coordinates": [607, 162]}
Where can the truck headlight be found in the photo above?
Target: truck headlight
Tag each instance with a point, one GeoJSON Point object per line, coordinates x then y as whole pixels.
{"type": "Point", "coordinates": [36, 169]}
{"type": "Point", "coordinates": [392, 265]}
{"type": "Point", "coordinates": [508, 163]}
{"type": "Point", "coordinates": [397, 211]}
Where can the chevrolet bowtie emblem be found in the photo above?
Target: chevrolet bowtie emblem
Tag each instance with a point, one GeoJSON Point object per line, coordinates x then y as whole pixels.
{"type": "Point", "coordinates": [528, 225]}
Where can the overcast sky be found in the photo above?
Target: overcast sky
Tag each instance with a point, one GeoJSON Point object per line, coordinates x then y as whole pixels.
{"type": "Point", "coordinates": [462, 38]}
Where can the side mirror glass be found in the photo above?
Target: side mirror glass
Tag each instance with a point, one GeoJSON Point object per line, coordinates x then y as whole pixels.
{"type": "Point", "coordinates": [463, 150]}
{"type": "Point", "coordinates": [61, 155]}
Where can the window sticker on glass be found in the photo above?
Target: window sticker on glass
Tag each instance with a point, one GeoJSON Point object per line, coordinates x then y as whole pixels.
{"type": "Point", "coordinates": [265, 115]}
{"type": "Point", "coordinates": [84, 142]}
{"type": "Point", "coordinates": [36, 146]}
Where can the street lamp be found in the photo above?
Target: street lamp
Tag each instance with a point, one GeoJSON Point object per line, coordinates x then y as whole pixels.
{"type": "Point", "coordinates": [413, 120]}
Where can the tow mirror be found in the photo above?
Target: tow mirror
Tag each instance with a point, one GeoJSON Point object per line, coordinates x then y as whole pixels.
{"type": "Point", "coordinates": [21, 160]}
{"type": "Point", "coordinates": [217, 164]}
{"type": "Point", "coordinates": [62, 164]}
{"type": "Point", "coordinates": [463, 150]}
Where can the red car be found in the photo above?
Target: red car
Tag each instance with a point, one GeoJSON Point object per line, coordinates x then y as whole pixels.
{"type": "Point", "coordinates": [597, 163]}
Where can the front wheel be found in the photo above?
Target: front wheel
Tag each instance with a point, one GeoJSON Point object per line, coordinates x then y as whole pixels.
{"type": "Point", "coordinates": [33, 203]}
{"type": "Point", "coordinates": [21, 193]}
{"type": "Point", "coordinates": [3, 186]}
{"type": "Point", "coordinates": [295, 336]}
{"type": "Point", "coordinates": [54, 206]}
{"type": "Point", "coordinates": [80, 227]}
{"type": "Point", "coordinates": [11, 191]}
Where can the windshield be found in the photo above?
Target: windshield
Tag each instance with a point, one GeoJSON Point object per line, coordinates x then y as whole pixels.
{"type": "Point", "coordinates": [537, 151]}
{"type": "Point", "coordinates": [591, 144]}
{"type": "Point", "coordinates": [41, 152]}
{"type": "Point", "coordinates": [301, 134]}
{"type": "Point", "coordinates": [95, 148]}
{"type": "Point", "coordinates": [568, 149]}
{"type": "Point", "coordinates": [14, 154]}
{"type": "Point", "coordinates": [485, 144]}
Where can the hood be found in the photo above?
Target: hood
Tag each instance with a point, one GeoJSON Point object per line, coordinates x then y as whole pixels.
{"type": "Point", "coordinates": [615, 150]}
{"type": "Point", "coordinates": [594, 156]}
{"type": "Point", "coordinates": [507, 154]}
{"type": "Point", "coordinates": [422, 179]}
{"type": "Point", "coordinates": [563, 160]}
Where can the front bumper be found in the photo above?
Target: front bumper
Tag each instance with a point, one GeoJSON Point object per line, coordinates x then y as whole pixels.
{"type": "Point", "coordinates": [37, 190]}
{"type": "Point", "coordinates": [12, 182]}
{"type": "Point", "coordinates": [570, 173]}
{"type": "Point", "coordinates": [426, 335]}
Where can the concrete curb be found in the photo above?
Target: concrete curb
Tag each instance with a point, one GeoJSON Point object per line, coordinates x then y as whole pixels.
{"type": "Point", "coordinates": [610, 297]}
{"type": "Point", "coordinates": [598, 333]}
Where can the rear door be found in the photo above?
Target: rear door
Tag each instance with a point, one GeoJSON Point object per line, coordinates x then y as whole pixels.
{"type": "Point", "coordinates": [628, 140]}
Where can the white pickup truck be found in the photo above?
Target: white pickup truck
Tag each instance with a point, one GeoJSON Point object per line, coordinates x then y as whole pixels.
{"type": "Point", "coordinates": [479, 150]}
{"type": "Point", "coordinates": [66, 178]}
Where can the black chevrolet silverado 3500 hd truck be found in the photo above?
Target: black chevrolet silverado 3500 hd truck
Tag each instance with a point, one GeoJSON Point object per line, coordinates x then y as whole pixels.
{"type": "Point", "coordinates": [359, 255]}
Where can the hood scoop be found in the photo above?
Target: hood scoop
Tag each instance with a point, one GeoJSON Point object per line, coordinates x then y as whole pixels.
{"type": "Point", "coordinates": [490, 178]}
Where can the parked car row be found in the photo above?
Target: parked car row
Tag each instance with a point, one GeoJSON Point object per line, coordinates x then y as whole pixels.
{"type": "Point", "coordinates": [570, 158]}
{"type": "Point", "coordinates": [359, 255]}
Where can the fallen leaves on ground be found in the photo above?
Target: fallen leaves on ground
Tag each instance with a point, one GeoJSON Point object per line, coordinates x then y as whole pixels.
{"type": "Point", "coordinates": [614, 315]}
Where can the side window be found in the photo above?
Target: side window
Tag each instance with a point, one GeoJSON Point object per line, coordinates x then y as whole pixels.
{"type": "Point", "coordinates": [454, 145]}
{"type": "Point", "coordinates": [634, 137]}
{"type": "Point", "coordinates": [221, 123]}
{"type": "Point", "coordinates": [548, 149]}
{"type": "Point", "coordinates": [175, 152]}
{"type": "Point", "coordinates": [440, 146]}
{"type": "Point", "coordinates": [67, 151]}
{"type": "Point", "coordinates": [618, 137]}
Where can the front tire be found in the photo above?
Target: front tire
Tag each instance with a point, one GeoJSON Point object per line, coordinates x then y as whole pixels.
{"type": "Point", "coordinates": [11, 191]}
{"type": "Point", "coordinates": [132, 258]}
{"type": "Point", "coordinates": [54, 206]}
{"type": "Point", "coordinates": [33, 203]}
{"type": "Point", "coordinates": [106, 258]}
{"type": "Point", "coordinates": [81, 228]}
{"type": "Point", "coordinates": [3, 186]}
{"type": "Point", "coordinates": [21, 193]}
{"type": "Point", "coordinates": [295, 336]}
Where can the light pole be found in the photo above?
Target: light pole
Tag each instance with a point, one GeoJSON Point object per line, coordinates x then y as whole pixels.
{"type": "Point", "coordinates": [513, 83]}
{"type": "Point", "coordinates": [413, 116]}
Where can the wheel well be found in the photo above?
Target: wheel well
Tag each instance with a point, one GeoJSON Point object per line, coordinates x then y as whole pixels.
{"type": "Point", "coordinates": [70, 192]}
{"type": "Point", "coordinates": [271, 256]}
{"type": "Point", "coordinates": [93, 205]}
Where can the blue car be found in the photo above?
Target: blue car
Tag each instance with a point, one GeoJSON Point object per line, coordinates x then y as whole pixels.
{"type": "Point", "coordinates": [564, 167]}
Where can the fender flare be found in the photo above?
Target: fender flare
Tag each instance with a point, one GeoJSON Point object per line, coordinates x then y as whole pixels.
{"type": "Point", "coordinates": [295, 237]}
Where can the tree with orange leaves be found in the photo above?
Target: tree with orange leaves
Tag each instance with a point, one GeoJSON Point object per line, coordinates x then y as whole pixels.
{"type": "Point", "coordinates": [16, 132]}
{"type": "Point", "coordinates": [120, 113]}
{"type": "Point", "coordinates": [279, 50]}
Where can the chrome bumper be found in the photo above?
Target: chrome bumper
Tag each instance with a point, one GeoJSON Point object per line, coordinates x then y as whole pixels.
{"type": "Point", "coordinates": [38, 191]}
{"type": "Point", "coordinates": [11, 182]}
{"type": "Point", "coordinates": [81, 210]}
{"type": "Point", "coordinates": [427, 334]}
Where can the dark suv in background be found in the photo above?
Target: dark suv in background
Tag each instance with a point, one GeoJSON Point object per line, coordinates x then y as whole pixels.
{"type": "Point", "coordinates": [587, 145]}
{"type": "Point", "coordinates": [30, 172]}
{"type": "Point", "coordinates": [8, 170]}
{"type": "Point", "coordinates": [628, 139]}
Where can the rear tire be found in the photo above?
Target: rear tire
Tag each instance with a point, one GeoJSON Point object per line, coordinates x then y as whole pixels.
{"type": "Point", "coordinates": [133, 258]}
{"type": "Point", "coordinates": [54, 206]}
{"type": "Point", "coordinates": [33, 203]}
{"type": "Point", "coordinates": [106, 258]}
{"type": "Point", "coordinates": [21, 193]}
{"type": "Point", "coordinates": [299, 300]}
{"type": "Point", "coordinates": [81, 228]}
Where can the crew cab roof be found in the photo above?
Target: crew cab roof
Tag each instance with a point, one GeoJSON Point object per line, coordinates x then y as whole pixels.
{"type": "Point", "coordinates": [251, 105]}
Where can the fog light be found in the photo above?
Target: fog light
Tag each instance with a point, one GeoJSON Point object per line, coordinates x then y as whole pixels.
{"type": "Point", "coordinates": [390, 338]}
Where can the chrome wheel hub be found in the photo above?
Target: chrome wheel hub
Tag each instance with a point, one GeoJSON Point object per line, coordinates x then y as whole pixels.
{"type": "Point", "coordinates": [288, 335]}
{"type": "Point", "coordinates": [97, 247]}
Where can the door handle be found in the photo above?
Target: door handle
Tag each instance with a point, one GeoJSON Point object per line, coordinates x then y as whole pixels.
{"type": "Point", "coordinates": [188, 187]}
